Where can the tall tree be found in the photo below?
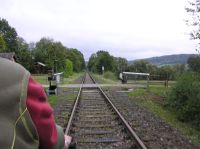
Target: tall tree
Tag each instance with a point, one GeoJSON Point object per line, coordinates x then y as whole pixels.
{"type": "Point", "coordinates": [76, 57]}
{"type": "Point", "coordinates": [92, 63]}
{"type": "Point", "coordinates": [2, 44]}
{"type": "Point", "coordinates": [68, 70]}
{"type": "Point", "coordinates": [9, 35]}
{"type": "Point", "coordinates": [140, 66]}
{"type": "Point", "coordinates": [104, 60]}
{"type": "Point", "coordinates": [101, 59]}
{"type": "Point", "coordinates": [194, 63]}
{"type": "Point", "coordinates": [24, 56]}
{"type": "Point", "coordinates": [121, 64]}
{"type": "Point", "coordinates": [51, 53]}
{"type": "Point", "coordinates": [193, 21]}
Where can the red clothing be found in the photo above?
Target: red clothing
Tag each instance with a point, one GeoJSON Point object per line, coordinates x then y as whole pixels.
{"type": "Point", "coordinates": [42, 115]}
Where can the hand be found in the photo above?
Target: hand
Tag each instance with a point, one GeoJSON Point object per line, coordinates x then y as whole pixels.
{"type": "Point", "coordinates": [68, 140]}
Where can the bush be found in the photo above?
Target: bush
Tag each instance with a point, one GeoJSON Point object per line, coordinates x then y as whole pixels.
{"type": "Point", "coordinates": [110, 75]}
{"type": "Point", "coordinates": [185, 98]}
{"type": "Point", "coordinates": [194, 63]}
{"type": "Point", "coordinates": [68, 71]}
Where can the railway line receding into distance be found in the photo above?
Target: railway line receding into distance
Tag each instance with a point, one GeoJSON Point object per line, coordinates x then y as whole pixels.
{"type": "Point", "coordinates": [96, 123]}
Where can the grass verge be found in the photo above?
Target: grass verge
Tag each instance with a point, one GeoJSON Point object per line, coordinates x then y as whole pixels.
{"type": "Point", "coordinates": [54, 99]}
{"type": "Point", "coordinates": [154, 101]}
{"type": "Point", "coordinates": [43, 78]}
{"type": "Point", "coordinates": [72, 78]}
{"type": "Point", "coordinates": [100, 79]}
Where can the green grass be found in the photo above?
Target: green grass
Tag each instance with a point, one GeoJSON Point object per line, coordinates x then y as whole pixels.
{"type": "Point", "coordinates": [159, 91]}
{"type": "Point", "coordinates": [102, 80]}
{"type": "Point", "coordinates": [144, 98]}
{"type": "Point", "coordinates": [43, 78]}
{"type": "Point", "coordinates": [72, 78]}
{"type": "Point", "coordinates": [54, 99]}
{"type": "Point", "coordinates": [139, 92]}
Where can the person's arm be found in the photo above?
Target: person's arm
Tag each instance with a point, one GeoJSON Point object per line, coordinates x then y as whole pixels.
{"type": "Point", "coordinates": [50, 135]}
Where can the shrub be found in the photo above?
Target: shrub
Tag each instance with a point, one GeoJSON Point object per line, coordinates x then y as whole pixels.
{"type": "Point", "coordinates": [185, 98]}
{"type": "Point", "coordinates": [194, 63]}
{"type": "Point", "coordinates": [68, 71]}
{"type": "Point", "coordinates": [110, 75]}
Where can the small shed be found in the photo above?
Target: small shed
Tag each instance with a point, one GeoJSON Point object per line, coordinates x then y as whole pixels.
{"type": "Point", "coordinates": [124, 76]}
{"type": "Point", "coordinates": [40, 68]}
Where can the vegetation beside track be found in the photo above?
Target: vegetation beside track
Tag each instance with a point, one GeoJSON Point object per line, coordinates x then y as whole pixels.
{"type": "Point", "coordinates": [72, 78]}
{"type": "Point", "coordinates": [155, 100]}
{"type": "Point", "coordinates": [101, 79]}
{"type": "Point", "coordinates": [43, 78]}
{"type": "Point", "coordinates": [55, 99]}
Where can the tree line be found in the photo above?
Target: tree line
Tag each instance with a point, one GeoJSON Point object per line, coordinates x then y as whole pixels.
{"type": "Point", "coordinates": [48, 51]}
{"type": "Point", "coordinates": [118, 64]}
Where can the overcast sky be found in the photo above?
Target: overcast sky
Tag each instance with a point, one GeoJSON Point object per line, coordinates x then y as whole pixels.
{"type": "Point", "coordinates": [132, 29]}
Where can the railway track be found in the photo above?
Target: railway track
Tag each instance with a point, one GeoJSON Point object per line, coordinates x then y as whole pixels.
{"type": "Point", "coordinates": [96, 123]}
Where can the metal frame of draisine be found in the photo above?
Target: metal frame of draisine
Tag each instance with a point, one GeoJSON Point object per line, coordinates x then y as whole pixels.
{"type": "Point", "coordinates": [126, 124]}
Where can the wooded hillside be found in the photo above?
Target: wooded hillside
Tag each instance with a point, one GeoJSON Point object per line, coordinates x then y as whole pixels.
{"type": "Point", "coordinates": [167, 59]}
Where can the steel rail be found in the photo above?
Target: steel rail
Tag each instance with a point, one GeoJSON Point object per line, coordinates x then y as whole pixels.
{"type": "Point", "coordinates": [132, 132]}
{"type": "Point", "coordinates": [74, 107]}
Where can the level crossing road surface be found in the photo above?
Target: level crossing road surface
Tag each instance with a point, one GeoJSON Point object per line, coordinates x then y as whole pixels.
{"type": "Point", "coordinates": [100, 85]}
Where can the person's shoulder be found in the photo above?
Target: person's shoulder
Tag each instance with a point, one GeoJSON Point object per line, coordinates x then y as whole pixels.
{"type": "Point", "coordinates": [8, 64]}
{"type": "Point", "coordinates": [11, 70]}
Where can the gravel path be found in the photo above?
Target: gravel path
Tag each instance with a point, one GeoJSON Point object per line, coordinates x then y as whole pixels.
{"type": "Point", "coordinates": [156, 133]}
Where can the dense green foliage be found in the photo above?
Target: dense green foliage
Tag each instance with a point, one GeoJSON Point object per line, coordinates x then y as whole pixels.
{"type": "Point", "coordinates": [99, 60]}
{"type": "Point", "coordinates": [121, 64]}
{"type": "Point", "coordinates": [167, 72]}
{"type": "Point", "coordinates": [52, 53]}
{"type": "Point", "coordinates": [24, 56]}
{"type": "Point", "coordinates": [110, 75]}
{"type": "Point", "coordinates": [185, 98]}
{"type": "Point", "coordinates": [140, 66]}
{"type": "Point", "coordinates": [2, 44]}
{"type": "Point", "coordinates": [68, 71]}
{"type": "Point", "coordinates": [91, 64]}
{"type": "Point", "coordinates": [76, 57]}
{"type": "Point", "coordinates": [194, 63]}
{"type": "Point", "coordinates": [9, 36]}
{"type": "Point", "coordinates": [118, 64]}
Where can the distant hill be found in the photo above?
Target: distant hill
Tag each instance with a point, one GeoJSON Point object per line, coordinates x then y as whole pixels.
{"type": "Point", "coordinates": [167, 59]}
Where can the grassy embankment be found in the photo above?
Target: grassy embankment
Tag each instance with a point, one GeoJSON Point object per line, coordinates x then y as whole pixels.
{"type": "Point", "coordinates": [155, 101]}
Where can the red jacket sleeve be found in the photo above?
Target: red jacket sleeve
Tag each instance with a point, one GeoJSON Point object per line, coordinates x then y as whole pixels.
{"type": "Point", "coordinates": [42, 115]}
